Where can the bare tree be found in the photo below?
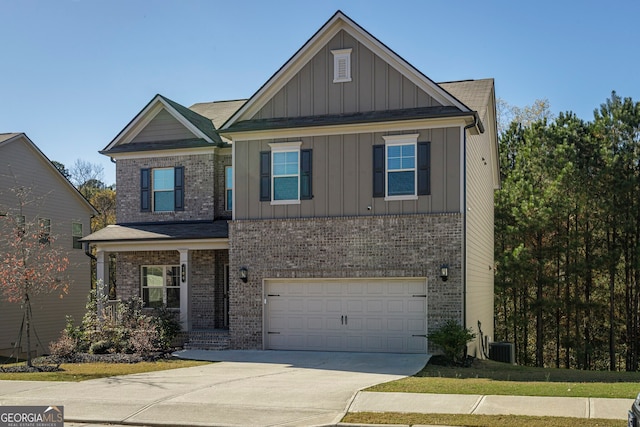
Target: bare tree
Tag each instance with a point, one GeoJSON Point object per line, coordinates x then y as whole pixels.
{"type": "Point", "coordinates": [30, 263]}
{"type": "Point", "coordinates": [86, 173]}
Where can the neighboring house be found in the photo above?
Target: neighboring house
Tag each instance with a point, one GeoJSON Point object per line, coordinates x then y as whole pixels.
{"type": "Point", "coordinates": [55, 202]}
{"type": "Point", "coordinates": [320, 213]}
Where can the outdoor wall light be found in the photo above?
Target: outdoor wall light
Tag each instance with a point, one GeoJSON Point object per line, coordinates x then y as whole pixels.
{"type": "Point", "coordinates": [183, 272]}
{"type": "Point", "coordinates": [444, 272]}
{"type": "Point", "coordinates": [244, 274]}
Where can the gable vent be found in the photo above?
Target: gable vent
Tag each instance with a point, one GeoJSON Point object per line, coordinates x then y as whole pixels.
{"type": "Point", "coordinates": [341, 65]}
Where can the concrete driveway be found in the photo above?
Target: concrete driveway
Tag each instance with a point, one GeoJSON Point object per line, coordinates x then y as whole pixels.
{"type": "Point", "coordinates": [248, 388]}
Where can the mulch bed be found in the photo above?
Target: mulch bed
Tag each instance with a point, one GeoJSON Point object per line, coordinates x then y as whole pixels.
{"type": "Point", "coordinates": [52, 363]}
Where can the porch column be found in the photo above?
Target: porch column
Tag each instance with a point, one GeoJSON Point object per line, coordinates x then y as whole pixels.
{"type": "Point", "coordinates": [102, 279]}
{"type": "Point", "coordinates": [185, 292]}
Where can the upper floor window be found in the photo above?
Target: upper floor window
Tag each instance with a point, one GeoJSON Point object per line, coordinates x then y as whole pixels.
{"type": "Point", "coordinates": [285, 173]}
{"type": "Point", "coordinates": [76, 234]}
{"type": "Point", "coordinates": [401, 168]}
{"type": "Point", "coordinates": [161, 286]}
{"type": "Point", "coordinates": [162, 189]}
{"type": "Point", "coordinates": [45, 230]}
{"type": "Point", "coordinates": [228, 185]}
{"type": "Point", "coordinates": [341, 65]}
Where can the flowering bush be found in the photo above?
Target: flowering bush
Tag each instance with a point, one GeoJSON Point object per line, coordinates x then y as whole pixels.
{"type": "Point", "coordinates": [127, 328]}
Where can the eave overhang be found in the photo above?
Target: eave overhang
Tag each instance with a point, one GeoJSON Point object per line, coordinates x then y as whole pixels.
{"type": "Point", "coordinates": [289, 128]}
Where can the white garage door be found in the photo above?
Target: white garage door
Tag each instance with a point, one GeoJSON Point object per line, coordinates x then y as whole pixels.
{"type": "Point", "coordinates": [368, 315]}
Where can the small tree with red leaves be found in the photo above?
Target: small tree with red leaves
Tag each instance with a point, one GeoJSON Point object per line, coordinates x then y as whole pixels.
{"type": "Point", "coordinates": [30, 262]}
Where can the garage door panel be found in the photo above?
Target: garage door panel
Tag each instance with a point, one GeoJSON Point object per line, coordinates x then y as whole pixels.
{"type": "Point", "coordinates": [296, 305]}
{"type": "Point", "coordinates": [333, 288]}
{"type": "Point", "coordinates": [375, 306]}
{"type": "Point", "coordinates": [416, 305]}
{"type": "Point", "coordinates": [315, 305]}
{"type": "Point", "coordinates": [334, 306]}
{"type": "Point", "coordinates": [375, 325]}
{"type": "Point", "coordinates": [396, 306]}
{"type": "Point", "coordinates": [395, 325]}
{"type": "Point", "coordinates": [355, 306]}
{"type": "Point", "coordinates": [373, 315]}
{"type": "Point", "coordinates": [356, 288]}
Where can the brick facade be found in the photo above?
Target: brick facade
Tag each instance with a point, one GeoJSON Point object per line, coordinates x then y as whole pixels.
{"type": "Point", "coordinates": [199, 179]}
{"type": "Point", "coordinates": [343, 247]}
{"type": "Point", "coordinates": [206, 281]}
{"type": "Point", "coordinates": [223, 159]}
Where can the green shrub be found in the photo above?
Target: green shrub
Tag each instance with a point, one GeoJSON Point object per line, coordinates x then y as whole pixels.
{"type": "Point", "coordinates": [452, 339]}
{"type": "Point", "coordinates": [65, 346]}
{"type": "Point", "coordinates": [101, 347]}
{"type": "Point", "coordinates": [168, 326]}
{"type": "Point", "coordinates": [126, 328]}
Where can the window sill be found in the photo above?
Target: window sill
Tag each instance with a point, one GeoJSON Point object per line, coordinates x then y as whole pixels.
{"type": "Point", "coordinates": [393, 198]}
{"type": "Point", "coordinates": [285, 202]}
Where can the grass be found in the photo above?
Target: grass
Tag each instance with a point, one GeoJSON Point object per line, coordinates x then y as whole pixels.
{"type": "Point", "coordinates": [487, 377]}
{"type": "Point", "coordinates": [90, 371]}
{"type": "Point", "coordinates": [475, 420]}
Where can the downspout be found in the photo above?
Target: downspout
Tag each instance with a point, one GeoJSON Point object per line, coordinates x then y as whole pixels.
{"type": "Point", "coordinates": [87, 251]}
{"type": "Point", "coordinates": [464, 219]}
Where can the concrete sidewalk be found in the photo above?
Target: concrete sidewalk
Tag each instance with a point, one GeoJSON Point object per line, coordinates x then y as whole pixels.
{"type": "Point", "coordinates": [253, 388]}
{"type": "Point", "coordinates": [575, 407]}
{"type": "Point", "coordinates": [249, 388]}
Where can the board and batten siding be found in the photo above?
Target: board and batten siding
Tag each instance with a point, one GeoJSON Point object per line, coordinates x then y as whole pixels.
{"type": "Point", "coordinates": [58, 202]}
{"type": "Point", "coordinates": [375, 86]}
{"type": "Point", "coordinates": [343, 178]}
{"type": "Point", "coordinates": [163, 127]}
{"type": "Point", "coordinates": [480, 237]}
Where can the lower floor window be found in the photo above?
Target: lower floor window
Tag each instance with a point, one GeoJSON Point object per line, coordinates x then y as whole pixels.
{"type": "Point", "coordinates": [161, 286]}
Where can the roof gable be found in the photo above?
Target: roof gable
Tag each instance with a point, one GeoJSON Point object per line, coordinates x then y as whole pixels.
{"type": "Point", "coordinates": [196, 126]}
{"type": "Point", "coordinates": [10, 138]}
{"type": "Point", "coordinates": [337, 23]}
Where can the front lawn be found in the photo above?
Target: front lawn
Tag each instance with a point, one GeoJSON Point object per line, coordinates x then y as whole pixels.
{"type": "Point", "coordinates": [89, 371]}
{"type": "Point", "coordinates": [487, 377]}
{"type": "Point", "coordinates": [475, 420]}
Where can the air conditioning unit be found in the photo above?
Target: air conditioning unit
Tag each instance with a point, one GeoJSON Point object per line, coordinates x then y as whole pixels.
{"type": "Point", "coordinates": [502, 352]}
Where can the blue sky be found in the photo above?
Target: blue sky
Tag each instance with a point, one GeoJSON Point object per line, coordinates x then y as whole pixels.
{"type": "Point", "coordinates": [75, 72]}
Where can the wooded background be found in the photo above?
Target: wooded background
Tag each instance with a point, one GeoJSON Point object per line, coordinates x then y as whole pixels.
{"type": "Point", "coordinates": [567, 236]}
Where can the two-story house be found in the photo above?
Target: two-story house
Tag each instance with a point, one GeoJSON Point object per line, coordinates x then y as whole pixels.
{"type": "Point", "coordinates": [347, 205]}
{"type": "Point", "coordinates": [51, 202]}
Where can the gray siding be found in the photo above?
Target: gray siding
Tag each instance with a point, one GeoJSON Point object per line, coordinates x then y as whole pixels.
{"type": "Point", "coordinates": [57, 201]}
{"type": "Point", "coordinates": [163, 127]}
{"type": "Point", "coordinates": [375, 86]}
{"type": "Point", "coordinates": [480, 236]}
{"type": "Point", "coordinates": [343, 178]}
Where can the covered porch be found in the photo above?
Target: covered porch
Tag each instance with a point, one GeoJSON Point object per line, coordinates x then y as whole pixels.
{"type": "Point", "coordinates": [182, 265]}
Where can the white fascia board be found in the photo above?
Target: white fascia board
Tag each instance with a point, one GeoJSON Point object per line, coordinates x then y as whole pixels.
{"type": "Point", "coordinates": [288, 70]}
{"type": "Point", "coordinates": [186, 123]}
{"type": "Point", "coordinates": [396, 126]}
{"type": "Point", "coordinates": [145, 116]}
{"type": "Point", "coordinates": [322, 37]}
{"type": "Point", "coordinates": [160, 245]}
{"type": "Point", "coordinates": [163, 153]}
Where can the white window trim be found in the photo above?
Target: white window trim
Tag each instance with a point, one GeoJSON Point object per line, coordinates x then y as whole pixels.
{"type": "Point", "coordinates": [153, 190]}
{"type": "Point", "coordinates": [338, 56]}
{"type": "Point", "coordinates": [226, 189]}
{"type": "Point", "coordinates": [283, 147]}
{"type": "Point", "coordinates": [392, 140]}
{"type": "Point", "coordinates": [164, 282]}
{"type": "Point", "coordinates": [74, 235]}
